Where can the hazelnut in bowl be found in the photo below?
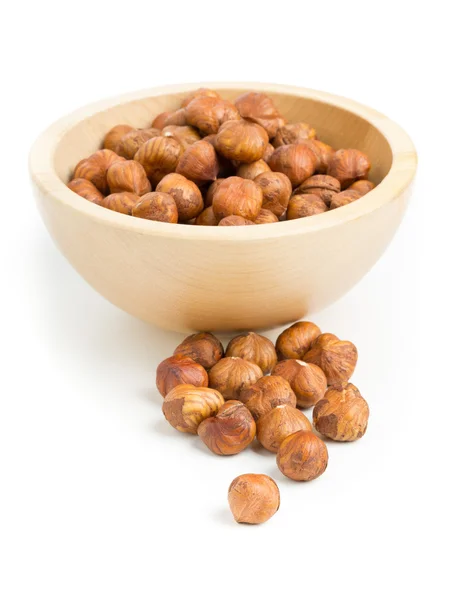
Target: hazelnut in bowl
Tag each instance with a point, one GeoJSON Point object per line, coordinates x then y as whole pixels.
{"type": "Point", "coordinates": [144, 246]}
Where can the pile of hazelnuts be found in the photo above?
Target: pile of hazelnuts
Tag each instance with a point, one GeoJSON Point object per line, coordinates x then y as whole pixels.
{"type": "Point", "coordinates": [255, 389]}
{"type": "Point", "coordinates": [212, 162]}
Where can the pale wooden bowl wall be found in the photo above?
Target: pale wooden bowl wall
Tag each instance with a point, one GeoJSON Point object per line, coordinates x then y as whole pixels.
{"type": "Point", "coordinates": [186, 278]}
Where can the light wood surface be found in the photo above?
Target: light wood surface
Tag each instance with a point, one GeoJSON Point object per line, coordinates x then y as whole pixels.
{"type": "Point", "coordinates": [186, 278]}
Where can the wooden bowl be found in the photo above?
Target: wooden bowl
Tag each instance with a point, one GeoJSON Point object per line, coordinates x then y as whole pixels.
{"type": "Point", "coordinates": [184, 277]}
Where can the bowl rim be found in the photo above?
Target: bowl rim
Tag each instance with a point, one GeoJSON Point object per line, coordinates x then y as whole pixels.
{"type": "Point", "coordinates": [397, 180]}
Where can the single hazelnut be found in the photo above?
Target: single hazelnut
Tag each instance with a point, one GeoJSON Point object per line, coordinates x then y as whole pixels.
{"type": "Point", "coordinates": [342, 415]}
{"type": "Point", "coordinates": [323, 186]}
{"type": "Point", "coordinates": [267, 393]}
{"type": "Point", "coordinates": [252, 170]}
{"type": "Point", "coordinates": [184, 134]}
{"type": "Point", "coordinates": [159, 156]}
{"type": "Point", "coordinates": [95, 168]}
{"type": "Point", "coordinates": [234, 221]}
{"type": "Point", "coordinates": [208, 200]}
{"type": "Point", "coordinates": [276, 191]}
{"type": "Point", "coordinates": [265, 216]}
{"type": "Point", "coordinates": [186, 406]}
{"type": "Point", "coordinates": [268, 152]}
{"type": "Point", "coordinates": [302, 456]}
{"type": "Point", "coordinates": [129, 143]}
{"type": "Point", "coordinates": [114, 135]}
{"type": "Point", "coordinates": [293, 133]}
{"type": "Point", "coordinates": [278, 424]}
{"type": "Point", "coordinates": [198, 93]}
{"type": "Point", "coordinates": [255, 348]}
{"type": "Point", "coordinates": [306, 380]}
{"type": "Point", "coordinates": [296, 340]}
{"type": "Point", "coordinates": [176, 370]}
{"type": "Point", "coordinates": [207, 217]}
{"type": "Point", "coordinates": [232, 375]}
{"type": "Point", "coordinates": [122, 202]}
{"type": "Point", "coordinates": [204, 348]}
{"type": "Point", "coordinates": [323, 153]}
{"type": "Point", "coordinates": [237, 196]}
{"type": "Point", "coordinates": [344, 198]}
{"type": "Point", "coordinates": [348, 166]}
{"type": "Point", "coordinates": [208, 114]}
{"type": "Point", "coordinates": [242, 141]}
{"type": "Point", "coordinates": [362, 186]}
{"type": "Point", "coordinates": [128, 176]}
{"type": "Point", "coordinates": [337, 358]}
{"type": "Point", "coordinates": [186, 194]}
{"type": "Point", "coordinates": [297, 161]}
{"type": "Point", "coordinates": [230, 431]}
{"type": "Point", "coordinates": [260, 108]}
{"type": "Point", "coordinates": [156, 206]}
{"type": "Point", "coordinates": [305, 205]}
{"type": "Point", "coordinates": [253, 499]}
{"type": "Point", "coordinates": [199, 163]}
{"type": "Point", "coordinates": [86, 189]}
{"type": "Point", "coordinates": [165, 119]}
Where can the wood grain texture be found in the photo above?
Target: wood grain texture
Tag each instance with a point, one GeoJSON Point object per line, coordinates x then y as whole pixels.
{"type": "Point", "coordinates": [187, 278]}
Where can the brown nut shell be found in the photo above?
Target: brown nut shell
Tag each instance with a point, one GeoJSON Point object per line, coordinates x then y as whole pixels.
{"type": "Point", "coordinates": [323, 186]}
{"type": "Point", "coordinates": [276, 191]}
{"type": "Point", "coordinates": [232, 375]}
{"type": "Point", "coordinates": [305, 205]}
{"type": "Point", "coordinates": [348, 165]}
{"type": "Point", "coordinates": [184, 134]}
{"type": "Point", "coordinates": [307, 381]}
{"type": "Point", "coordinates": [95, 168]}
{"type": "Point", "coordinates": [199, 93]}
{"type": "Point", "coordinates": [122, 202]}
{"type": "Point", "coordinates": [278, 424]}
{"type": "Point", "coordinates": [297, 161]}
{"type": "Point", "coordinates": [296, 340]}
{"type": "Point", "coordinates": [323, 153]}
{"type": "Point", "coordinates": [344, 198]}
{"type": "Point", "coordinates": [267, 393]}
{"type": "Point", "coordinates": [199, 163]}
{"type": "Point", "coordinates": [207, 218]}
{"type": "Point", "coordinates": [230, 431]}
{"type": "Point", "coordinates": [234, 221]}
{"type": "Point", "coordinates": [176, 370]}
{"type": "Point", "coordinates": [204, 348]}
{"type": "Point", "coordinates": [260, 108]}
{"type": "Point", "coordinates": [302, 456]}
{"type": "Point", "coordinates": [255, 348]}
{"type": "Point", "coordinates": [362, 186]}
{"type": "Point", "coordinates": [86, 189]}
{"type": "Point", "coordinates": [186, 406]}
{"type": "Point", "coordinates": [166, 119]}
{"type": "Point", "coordinates": [293, 133]}
{"type": "Point", "coordinates": [265, 216]}
{"type": "Point", "coordinates": [337, 358]}
{"type": "Point", "coordinates": [207, 113]}
{"type": "Point", "coordinates": [186, 194]}
{"type": "Point", "coordinates": [156, 206]}
{"type": "Point", "coordinates": [342, 415]}
{"type": "Point", "coordinates": [253, 499]}
{"type": "Point", "coordinates": [159, 156]}
{"type": "Point", "coordinates": [114, 135]}
{"type": "Point", "coordinates": [211, 192]}
{"type": "Point", "coordinates": [129, 143]}
{"type": "Point", "coordinates": [242, 141]}
{"type": "Point", "coordinates": [237, 196]}
{"type": "Point", "coordinates": [252, 170]}
{"type": "Point", "coordinates": [128, 176]}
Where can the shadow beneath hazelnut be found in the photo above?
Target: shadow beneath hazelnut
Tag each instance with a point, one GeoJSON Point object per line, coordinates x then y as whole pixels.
{"type": "Point", "coordinates": [164, 429]}
{"type": "Point", "coordinates": [224, 516]}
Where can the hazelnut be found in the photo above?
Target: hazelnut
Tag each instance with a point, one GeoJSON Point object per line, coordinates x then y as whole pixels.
{"type": "Point", "coordinates": [344, 198]}
{"type": "Point", "coordinates": [156, 206]}
{"type": "Point", "coordinates": [278, 424]}
{"type": "Point", "coordinates": [253, 499]}
{"type": "Point", "coordinates": [230, 431]}
{"type": "Point", "coordinates": [234, 220]}
{"type": "Point", "coordinates": [199, 93]}
{"type": "Point", "coordinates": [337, 358]}
{"type": "Point", "coordinates": [297, 161]}
{"type": "Point", "coordinates": [255, 348]}
{"type": "Point", "coordinates": [207, 217]}
{"type": "Point", "coordinates": [128, 144]}
{"type": "Point", "coordinates": [276, 191]}
{"type": "Point", "coordinates": [242, 141]}
{"type": "Point", "coordinates": [305, 205]}
{"type": "Point", "coordinates": [342, 415]}
{"type": "Point", "coordinates": [176, 370]}
{"type": "Point", "coordinates": [122, 202]}
{"type": "Point", "coordinates": [302, 456]}
{"type": "Point", "coordinates": [323, 154]}
{"type": "Point", "coordinates": [159, 156]}
{"type": "Point", "coordinates": [199, 163]}
{"type": "Point", "coordinates": [186, 406]}
{"type": "Point", "coordinates": [232, 375]}
{"type": "Point", "coordinates": [296, 340]}
{"type": "Point", "coordinates": [208, 114]}
{"type": "Point", "coordinates": [307, 381]}
{"type": "Point", "coordinates": [349, 165]}
{"type": "Point", "coordinates": [128, 176]}
{"type": "Point", "coordinates": [267, 393]}
{"type": "Point", "coordinates": [362, 186]}
{"type": "Point", "coordinates": [237, 196]}
{"type": "Point", "coordinates": [260, 108]}
{"type": "Point", "coordinates": [252, 170]}
{"type": "Point", "coordinates": [293, 133]}
{"type": "Point", "coordinates": [265, 216]}
{"type": "Point", "coordinates": [186, 194]}
{"type": "Point", "coordinates": [165, 119]}
{"type": "Point", "coordinates": [211, 192]}
{"type": "Point", "coordinates": [268, 152]}
{"type": "Point", "coordinates": [204, 348]}
{"type": "Point", "coordinates": [86, 189]}
{"type": "Point", "coordinates": [95, 168]}
{"type": "Point", "coordinates": [323, 186]}
{"type": "Point", "coordinates": [114, 135]}
{"type": "Point", "coordinates": [184, 134]}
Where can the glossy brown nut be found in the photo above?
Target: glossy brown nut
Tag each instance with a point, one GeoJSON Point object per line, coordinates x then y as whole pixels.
{"type": "Point", "coordinates": [160, 155]}
{"type": "Point", "coordinates": [242, 141]}
{"type": "Point", "coordinates": [252, 170]}
{"type": "Point", "coordinates": [293, 133]}
{"type": "Point", "coordinates": [234, 221]}
{"type": "Point", "coordinates": [253, 499]}
{"type": "Point", "coordinates": [297, 161]}
{"type": "Point", "coordinates": [207, 113]}
{"type": "Point", "coordinates": [198, 93]}
{"type": "Point", "coordinates": [95, 168]}
{"type": "Point", "coordinates": [265, 216]}
{"type": "Point", "coordinates": [305, 205]}
{"type": "Point", "coordinates": [276, 191]}
{"type": "Point", "coordinates": [232, 375]}
{"type": "Point", "coordinates": [207, 218]}
{"type": "Point", "coordinates": [230, 431]}
{"type": "Point", "coordinates": [208, 200]}
{"type": "Point", "coordinates": [269, 151]}
{"type": "Point", "coordinates": [165, 119]}
{"type": "Point", "coordinates": [128, 176]}
{"type": "Point", "coordinates": [323, 186]}
{"type": "Point", "coordinates": [186, 406]}
{"type": "Point", "coordinates": [129, 144]}
{"type": "Point", "coordinates": [302, 456]}
{"type": "Point", "coordinates": [199, 163]}
{"type": "Point", "coordinates": [184, 134]}
{"type": "Point", "coordinates": [254, 348]}
{"type": "Point", "coordinates": [278, 424]}
{"type": "Point", "coordinates": [307, 381]}
{"type": "Point", "coordinates": [348, 165]}
{"type": "Point", "coordinates": [267, 393]}
{"type": "Point", "coordinates": [260, 108]}
{"type": "Point", "coordinates": [344, 198]}
{"type": "Point", "coordinates": [156, 206]}
{"type": "Point", "coordinates": [337, 358]}
{"type": "Point", "coordinates": [86, 189]}
{"type": "Point", "coordinates": [296, 340]}
{"type": "Point", "coordinates": [176, 370]}
{"type": "Point", "coordinates": [204, 348]}
{"type": "Point", "coordinates": [342, 415]}
{"type": "Point", "coordinates": [114, 135]}
{"type": "Point", "coordinates": [323, 154]}
{"type": "Point", "coordinates": [362, 186]}
{"type": "Point", "coordinates": [237, 196]}
{"type": "Point", "coordinates": [122, 202]}
{"type": "Point", "coordinates": [186, 194]}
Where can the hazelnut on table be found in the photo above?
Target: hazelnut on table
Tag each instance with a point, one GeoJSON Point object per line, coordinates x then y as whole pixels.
{"type": "Point", "coordinates": [253, 499]}
{"type": "Point", "coordinates": [230, 431]}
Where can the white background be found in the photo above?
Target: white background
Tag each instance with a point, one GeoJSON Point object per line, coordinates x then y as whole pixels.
{"type": "Point", "coordinates": [100, 497]}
